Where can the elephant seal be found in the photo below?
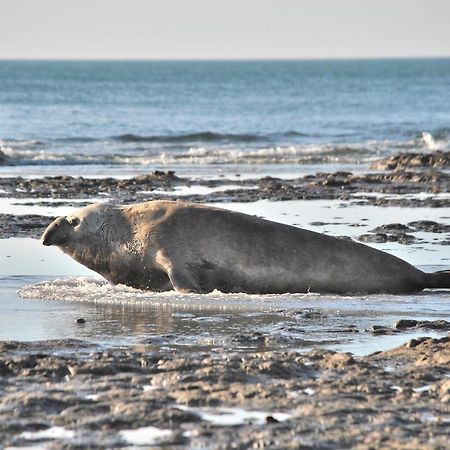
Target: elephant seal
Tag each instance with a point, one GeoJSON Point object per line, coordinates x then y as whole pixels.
{"type": "Point", "coordinates": [162, 245]}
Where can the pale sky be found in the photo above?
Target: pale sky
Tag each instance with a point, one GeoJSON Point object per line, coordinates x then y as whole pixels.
{"type": "Point", "coordinates": [226, 29]}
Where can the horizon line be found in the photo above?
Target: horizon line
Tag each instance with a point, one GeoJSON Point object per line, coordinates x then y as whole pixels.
{"type": "Point", "coordinates": [231, 59]}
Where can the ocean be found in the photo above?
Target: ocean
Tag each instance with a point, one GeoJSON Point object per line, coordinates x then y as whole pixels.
{"type": "Point", "coordinates": [203, 118]}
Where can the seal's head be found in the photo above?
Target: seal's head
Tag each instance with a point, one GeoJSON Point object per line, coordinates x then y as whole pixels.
{"type": "Point", "coordinates": [79, 228]}
{"type": "Point", "coordinates": [93, 236]}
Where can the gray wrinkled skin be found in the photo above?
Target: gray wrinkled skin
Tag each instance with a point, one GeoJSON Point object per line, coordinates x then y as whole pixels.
{"type": "Point", "coordinates": [161, 245]}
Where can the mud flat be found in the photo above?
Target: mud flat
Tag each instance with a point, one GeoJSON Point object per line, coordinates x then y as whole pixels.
{"type": "Point", "coordinates": [72, 394]}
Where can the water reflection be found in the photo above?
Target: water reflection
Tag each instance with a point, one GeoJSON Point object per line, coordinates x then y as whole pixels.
{"type": "Point", "coordinates": [121, 316]}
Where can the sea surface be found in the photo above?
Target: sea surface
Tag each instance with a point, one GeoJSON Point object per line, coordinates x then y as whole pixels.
{"type": "Point", "coordinates": [209, 120]}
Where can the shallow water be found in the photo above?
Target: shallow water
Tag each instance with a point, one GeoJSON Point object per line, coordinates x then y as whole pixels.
{"type": "Point", "coordinates": [118, 316]}
{"type": "Point", "coordinates": [43, 292]}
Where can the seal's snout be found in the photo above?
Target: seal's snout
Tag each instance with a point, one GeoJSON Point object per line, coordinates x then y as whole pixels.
{"type": "Point", "coordinates": [56, 232]}
{"type": "Point", "coordinates": [45, 239]}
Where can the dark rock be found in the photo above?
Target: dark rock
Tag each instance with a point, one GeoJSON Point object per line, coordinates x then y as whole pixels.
{"type": "Point", "coordinates": [434, 324]}
{"type": "Point", "coordinates": [319, 224]}
{"type": "Point", "coordinates": [430, 226]}
{"type": "Point", "coordinates": [392, 228]}
{"type": "Point", "coordinates": [377, 330]}
{"type": "Point", "coordinates": [404, 239]}
{"type": "Point", "coordinates": [403, 160]}
{"type": "Point", "coordinates": [416, 342]}
{"type": "Point", "coordinates": [377, 238]}
{"type": "Point", "coordinates": [405, 323]}
{"type": "Point", "coordinates": [271, 419]}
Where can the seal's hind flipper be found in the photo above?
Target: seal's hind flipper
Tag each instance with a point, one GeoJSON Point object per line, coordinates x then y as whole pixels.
{"type": "Point", "coordinates": [438, 280]}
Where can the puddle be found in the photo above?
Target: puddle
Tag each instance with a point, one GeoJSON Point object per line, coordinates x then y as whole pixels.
{"type": "Point", "coordinates": [146, 436]}
{"type": "Point", "coordinates": [198, 190]}
{"type": "Point", "coordinates": [49, 433]}
{"type": "Point", "coordinates": [236, 416]}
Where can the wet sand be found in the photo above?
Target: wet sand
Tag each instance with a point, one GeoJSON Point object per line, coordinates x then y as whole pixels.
{"type": "Point", "coordinates": [68, 394]}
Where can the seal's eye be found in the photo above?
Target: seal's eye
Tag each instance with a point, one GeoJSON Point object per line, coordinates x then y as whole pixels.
{"type": "Point", "coordinates": [74, 221]}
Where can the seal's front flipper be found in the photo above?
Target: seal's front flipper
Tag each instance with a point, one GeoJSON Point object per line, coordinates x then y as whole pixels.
{"type": "Point", "coordinates": [185, 281]}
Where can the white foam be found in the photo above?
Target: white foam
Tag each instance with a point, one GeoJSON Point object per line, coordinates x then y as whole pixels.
{"type": "Point", "coordinates": [291, 154]}
{"type": "Point", "coordinates": [98, 291]}
{"type": "Point", "coordinates": [429, 141]}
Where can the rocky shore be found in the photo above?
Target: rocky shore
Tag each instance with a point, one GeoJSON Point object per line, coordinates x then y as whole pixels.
{"type": "Point", "coordinates": [70, 394]}
{"type": "Point", "coordinates": [379, 189]}
{"type": "Point", "coordinates": [343, 186]}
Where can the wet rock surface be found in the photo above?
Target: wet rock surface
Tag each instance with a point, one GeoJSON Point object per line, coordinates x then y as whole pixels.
{"type": "Point", "coordinates": [410, 325]}
{"type": "Point", "coordinates": [393, 228]}
{"type": "Point", "coordinates": [428, 324]}
{"type": "Point", "coordinates": [30, 225]}
{"type": "Point", "coordinates": [430, 226]}
{"type": "Point", "coordinates": [390, 188]}
{"type": "Point", "coordinates": [70, 394]}
{"type": "Point", "coordinates": [381, 238]}
{"type": "Point", "coordinates": [417, 160]}
{"type": "Point", "coordinates": [397, 232]}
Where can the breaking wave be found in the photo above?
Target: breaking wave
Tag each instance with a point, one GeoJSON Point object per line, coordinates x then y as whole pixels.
{"type": "Point", "coordinates": [207, 148]}
{"type": "Point", "coordinates": [197, 155]}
